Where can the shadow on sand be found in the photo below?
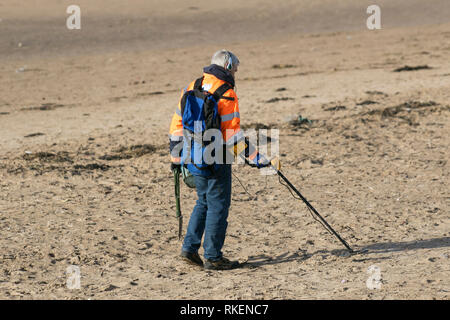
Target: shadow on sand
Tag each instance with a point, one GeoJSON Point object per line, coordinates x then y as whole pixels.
{"type": "Point", "coordinates": [406, 246]}
{"type": "Point", "coordinates": [376, 248]}
{"type": "Point", "coordinates": [260, 260]}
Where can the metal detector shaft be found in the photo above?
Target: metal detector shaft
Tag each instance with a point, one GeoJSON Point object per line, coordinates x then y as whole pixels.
{"type": "Point", "coordinates": [314, 210]}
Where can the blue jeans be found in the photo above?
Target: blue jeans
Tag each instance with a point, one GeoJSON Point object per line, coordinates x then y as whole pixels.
{"type": "Point", "coordinates": [210, 214]}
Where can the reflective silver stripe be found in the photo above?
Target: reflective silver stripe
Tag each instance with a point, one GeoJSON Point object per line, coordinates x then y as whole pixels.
{"type": "Point", "coordinates": [175, 138]}
{"type": "Point", "coordinates": [230, 116]}
{"type": "Point", "coordinates": [178, 112]}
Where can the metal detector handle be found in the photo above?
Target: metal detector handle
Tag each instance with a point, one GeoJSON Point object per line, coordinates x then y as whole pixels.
{"type": "Point", "coordinates": [275, 164]}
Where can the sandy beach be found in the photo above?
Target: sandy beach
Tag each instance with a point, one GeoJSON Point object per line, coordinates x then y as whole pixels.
{"type": "Point", "coordinates": [85, 175]}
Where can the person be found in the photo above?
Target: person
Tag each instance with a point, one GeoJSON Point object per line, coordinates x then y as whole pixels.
{"type": "Point", "coordinates": [210, 214]}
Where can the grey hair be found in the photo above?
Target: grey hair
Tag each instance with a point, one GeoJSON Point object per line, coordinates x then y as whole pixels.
{"type": "Point", "coordinates": [221, 58]}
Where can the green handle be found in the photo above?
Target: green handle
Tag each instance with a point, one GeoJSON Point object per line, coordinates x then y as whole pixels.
{"type": "Point", "coordinates": [176, 174]}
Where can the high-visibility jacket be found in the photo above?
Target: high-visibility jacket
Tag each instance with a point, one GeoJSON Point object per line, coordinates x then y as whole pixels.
{"type": "Point", "coordinates": [228, 108]}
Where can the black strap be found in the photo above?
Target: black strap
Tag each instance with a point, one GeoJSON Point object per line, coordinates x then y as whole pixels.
{"type": "Point", "coordinates": [228, 98]}
{"type": "Point", "coordinates": [198, 84]}
{"type": "Point", "coordinates": [218, 94]}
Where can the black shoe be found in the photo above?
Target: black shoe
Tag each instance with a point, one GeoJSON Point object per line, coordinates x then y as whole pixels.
{"type": "Point", "coordinates": [221, 264]}
{"type": "Point", "coordinates": [192, 258]}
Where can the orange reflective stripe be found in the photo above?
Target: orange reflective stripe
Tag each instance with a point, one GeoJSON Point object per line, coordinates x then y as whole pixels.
{"type": "Point", "coordinates": [233, 124]}
{"type": "Point", "coordinates": [229, 112]}
{"type": "Point", "coordinates": [176, 124]}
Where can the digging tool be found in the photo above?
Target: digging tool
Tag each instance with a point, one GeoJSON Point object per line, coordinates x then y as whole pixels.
{"type": "Point", "coordinates": [176, 174]}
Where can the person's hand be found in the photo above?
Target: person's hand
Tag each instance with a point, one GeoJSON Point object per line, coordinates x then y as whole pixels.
{"type": "Point", "coordinates": [263, 163]}
{"type": "Point", "coordinates": [175, 166]}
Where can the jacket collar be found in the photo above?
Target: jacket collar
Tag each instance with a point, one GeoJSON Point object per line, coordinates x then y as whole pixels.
{"type": "Point", "coordinates": [220, 73]}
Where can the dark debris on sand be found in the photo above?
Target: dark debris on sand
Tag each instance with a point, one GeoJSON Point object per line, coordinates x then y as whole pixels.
{"type": "Point", "coordinates": [61, 156]}
{"type": "Point", "coordinates": [44, 107]}
{"type": "Point", "coordinates": [410, 111]}
{"type": "Point", "coordinates": [335, 108]}
{"type": "Point", "coordinates": [279, 99]}
{"type": "Point", "coordinates": [130, 152]}
{"type": "Point", "coordinates": [366, 102]}
{"type": "Point", "coordinates": [283, 66]}
{"type": "Point", "coordinates": [415, 68]}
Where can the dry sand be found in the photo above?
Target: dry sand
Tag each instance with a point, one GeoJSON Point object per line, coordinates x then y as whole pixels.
{"type": "Point", "coordinates": [84, 172]}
